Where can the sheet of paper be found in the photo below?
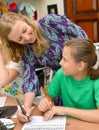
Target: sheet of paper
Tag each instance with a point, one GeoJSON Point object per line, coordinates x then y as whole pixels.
{"type": "Point", "coordinates": [2, 101]}
{"type": "Point", "coordinates": [37, 123]}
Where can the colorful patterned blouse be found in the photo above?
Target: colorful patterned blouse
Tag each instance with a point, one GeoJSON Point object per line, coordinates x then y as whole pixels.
{"type": "Point", "coordinates": [57, 30]}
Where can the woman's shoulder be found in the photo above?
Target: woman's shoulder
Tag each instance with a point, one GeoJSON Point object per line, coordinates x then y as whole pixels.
{"type": "Point", "coordinates": [53, 17]}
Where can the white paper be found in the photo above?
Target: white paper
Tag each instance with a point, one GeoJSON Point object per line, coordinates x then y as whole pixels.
{"type": "Point", "coordinates": [37, 123]}
{"type": "Point", "coordinates": [2, 101]}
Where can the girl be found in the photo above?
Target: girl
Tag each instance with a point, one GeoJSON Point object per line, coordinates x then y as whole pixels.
{"type": "Point", "coordinates": [77, 82]}
{"type": "Point", "coordinates": [10, 71]}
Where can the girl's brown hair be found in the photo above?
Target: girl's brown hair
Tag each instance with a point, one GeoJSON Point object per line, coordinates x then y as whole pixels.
{"type": "Point", "coordinates": [6, 23]}
{"type": "Point", "coordinates": [84, 50]}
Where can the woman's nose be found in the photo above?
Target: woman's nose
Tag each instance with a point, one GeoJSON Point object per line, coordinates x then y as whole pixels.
{"type": "Point", "coordinates": [26, 37]}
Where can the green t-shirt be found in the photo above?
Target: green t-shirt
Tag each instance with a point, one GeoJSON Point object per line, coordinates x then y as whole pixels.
{"type": "Point", "coordinates": [82, 94]}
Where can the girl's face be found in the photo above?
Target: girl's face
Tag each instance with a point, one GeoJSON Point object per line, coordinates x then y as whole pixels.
{"type": "Point", "coordinates": [22, 33]}
{"type": "Point", "coordinates": [68, 64]}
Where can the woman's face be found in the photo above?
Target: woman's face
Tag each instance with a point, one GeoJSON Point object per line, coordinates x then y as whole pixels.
{"type": "Point", "coordinates": [22, 33]}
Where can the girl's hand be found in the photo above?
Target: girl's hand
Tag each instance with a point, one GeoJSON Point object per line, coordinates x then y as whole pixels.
{"type": "Point", "coordinates": [45, 105]}
{"type": "Point", "coordinates": [56, 110]}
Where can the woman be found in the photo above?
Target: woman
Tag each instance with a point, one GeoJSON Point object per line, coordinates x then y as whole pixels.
{"type": "Point", "coordinates": [77, 83]}
{"type": "Point", "coordinates": [42, 42]}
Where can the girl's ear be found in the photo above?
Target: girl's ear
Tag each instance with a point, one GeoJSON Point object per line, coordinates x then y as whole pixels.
{"type": "Point", "coordinates": [81, 65]}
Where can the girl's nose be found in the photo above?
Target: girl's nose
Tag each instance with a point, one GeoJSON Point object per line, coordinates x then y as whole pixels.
{"type": "Point", "coordinates": [60, 62]}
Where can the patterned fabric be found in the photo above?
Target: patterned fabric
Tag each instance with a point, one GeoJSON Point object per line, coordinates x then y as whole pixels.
{"type": "Point", "coordinates": [57, 30]}
{"type": "Point", "coordinates": [14, 88]}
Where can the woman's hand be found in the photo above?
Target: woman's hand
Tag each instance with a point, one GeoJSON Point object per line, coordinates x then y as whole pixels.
{"type": "Point", "coordinates": [56, 110]}
{"type": "Point", "coordinates": [22, 117]}
{"type": "Point", "coordinates": [45, 105]}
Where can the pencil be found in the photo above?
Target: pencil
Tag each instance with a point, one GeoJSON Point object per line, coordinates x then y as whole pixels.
{"type": "Point", "coordinates": [22, 109]}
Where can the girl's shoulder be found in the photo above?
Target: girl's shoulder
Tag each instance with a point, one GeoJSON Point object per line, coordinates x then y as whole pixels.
{"type": "Point", "coordinates": [60, 73]}
{"type": "Point", "coordinates": [96, 81]}
{"type": "Point", "coordinates": [15, 65]}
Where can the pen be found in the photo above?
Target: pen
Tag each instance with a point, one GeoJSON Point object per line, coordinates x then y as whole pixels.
{"type": "Point", "coordinates": [22, 109]}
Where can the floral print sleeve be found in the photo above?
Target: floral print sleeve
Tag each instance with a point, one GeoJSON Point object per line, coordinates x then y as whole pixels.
{"type": "Point", "coordinates": [30, 79]}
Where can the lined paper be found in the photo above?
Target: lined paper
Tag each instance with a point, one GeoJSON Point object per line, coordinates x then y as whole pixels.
{"type": "Point", "coordinates": [37, 123]}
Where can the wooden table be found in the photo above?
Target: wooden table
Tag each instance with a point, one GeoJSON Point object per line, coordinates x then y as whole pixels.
{"type": "Point", "coordinates": [73, 124]}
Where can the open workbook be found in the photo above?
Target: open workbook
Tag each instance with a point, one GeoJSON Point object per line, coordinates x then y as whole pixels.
{"type": "Point", "coordinates": [37, 123]}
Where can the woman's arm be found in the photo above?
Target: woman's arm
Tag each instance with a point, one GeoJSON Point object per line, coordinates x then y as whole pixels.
{"type": "Point", "coordinates": [62, 26]}
{"type": "Point", "coordinates": [30, 78]}
{"type": "Point", "coordinates": [28, 102]}
{"type": "Point", "coordinates": [30, 96]}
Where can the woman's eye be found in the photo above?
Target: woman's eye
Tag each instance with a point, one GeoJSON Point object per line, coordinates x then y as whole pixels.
{"type": "Point", "coordinates": [24, 30]}
{"type": "Point", "coordinates": [19, 39]}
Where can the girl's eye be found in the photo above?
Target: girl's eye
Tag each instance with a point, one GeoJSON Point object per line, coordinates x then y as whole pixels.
{"type": "Point", "coordinates": [64, 59]}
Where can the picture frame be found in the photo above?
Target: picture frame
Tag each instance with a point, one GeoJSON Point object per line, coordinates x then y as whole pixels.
{"type": "Point", "coordinates": [52, 9]}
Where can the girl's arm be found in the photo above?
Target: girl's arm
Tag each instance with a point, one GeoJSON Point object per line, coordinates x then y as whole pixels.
{"type": "Point", "coordinates": [86, 115]}
{"type": "Point", "coordinates": [46, 103]}
{"type": "Point", "coordinates": [6, 75]}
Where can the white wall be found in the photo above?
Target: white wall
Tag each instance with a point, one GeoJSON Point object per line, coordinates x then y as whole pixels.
{"type": "Point", "coordinates": [40, 5]}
